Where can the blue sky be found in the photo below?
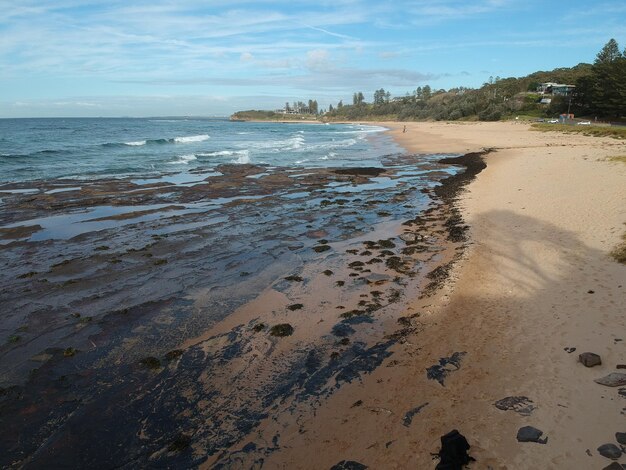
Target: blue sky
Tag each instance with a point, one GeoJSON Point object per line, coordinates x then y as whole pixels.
{"type": "Point", "coordinates": [192, 57]}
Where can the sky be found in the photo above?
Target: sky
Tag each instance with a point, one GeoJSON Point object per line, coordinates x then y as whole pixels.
{"type": "Point", "coordinates": [210, 58]}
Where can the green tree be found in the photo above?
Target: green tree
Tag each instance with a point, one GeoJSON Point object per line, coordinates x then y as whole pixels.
{"type": "Point", "coordinates": [609, 53]}
{"type": "Point", "coordinates": [426, 93]}
{"type": "Point", "coordinates": [379, 96]}
{"type": "Point", "coordinates": [340, 104]}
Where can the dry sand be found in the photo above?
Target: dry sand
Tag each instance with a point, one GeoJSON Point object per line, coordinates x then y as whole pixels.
{"type": "Point", "coordinates": [536, 279]}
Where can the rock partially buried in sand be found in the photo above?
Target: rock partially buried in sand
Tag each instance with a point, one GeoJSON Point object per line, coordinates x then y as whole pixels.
{"type": "Point", "coordinates": [521, 405]}
{"type": "Point", "coordinates": [282, 329]}
{"type": "Point", "coordinates": [530, 434]}
{"type": "Point", "coordinates": [621, 437]}
{"type": "Point", "coordinates": [610, 451]}
{"type": "Point", "coordinates": [589, 359]}
{"type": "Point", "coordinates": [348, 465]}
{"type": "Point", "coordinates": [614, 379]}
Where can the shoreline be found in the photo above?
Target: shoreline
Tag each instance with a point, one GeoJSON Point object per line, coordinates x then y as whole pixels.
{"type": "Point", "coordinates": [535, 288]}
{"type": "Point", "coordinates": [543, 218]}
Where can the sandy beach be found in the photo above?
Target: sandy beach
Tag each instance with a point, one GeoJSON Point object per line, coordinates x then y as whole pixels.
{"type": "Point", "coordinates": [536, 283]}
{"type": "Point", "coordinates": [340, 314]}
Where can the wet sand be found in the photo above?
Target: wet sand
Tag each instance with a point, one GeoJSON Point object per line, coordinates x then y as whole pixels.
{"type": "Point", "coordinates": [535, 288]}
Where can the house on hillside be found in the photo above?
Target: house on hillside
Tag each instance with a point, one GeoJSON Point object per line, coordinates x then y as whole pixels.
{"type": "Point", "coordinates": [552, 88]}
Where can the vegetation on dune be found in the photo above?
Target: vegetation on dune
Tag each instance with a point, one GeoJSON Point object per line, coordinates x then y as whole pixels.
{"type": "Point", "coordinates": [596, 131]}
{"type": "Point", "coordinates": [600, 91]}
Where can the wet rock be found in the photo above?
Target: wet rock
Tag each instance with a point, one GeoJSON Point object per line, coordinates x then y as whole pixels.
{"type": "Point", "coordinates": [348, 465]}
{"type": "Point", "coordinates": [342, 330]}
{"type": "Point", "coordinates": [610, 451]}
{"type": "Point", "coordinates": [321, 248]}
{"type": "Point", "coordinates": [440, 371]}
{"type": "Point", "coordinates": [411, 237]}
{"type": "Point", "coordinates": [282, 329]}
{"type": "Point", "coordinates": [530, 434]}
{"type": "Point", "coordinates": [150, 362]}
{"type": "Point", "coordinates": [621, 437]}
{"type": "Point", "coordinates": [180, 443]}
{"type": "Point", "coordinates": [521, 405]}
{"type": "Point", "coordinates": [614, 379]}
{"type": "Point", "coordinates": [357, 171]}
{"type": "Point", "coordinates": [408, 417]}
{"type": "Point", "coordinates": [173, 354]}
{"type": "Point", "coordinates": [453, 453]}
{"type": "Point", "coordinates": [589, 359]}
{"type": "Point", "coordinates": [258, 327]}
{"type": "Point", "coordinates": [294, 307]}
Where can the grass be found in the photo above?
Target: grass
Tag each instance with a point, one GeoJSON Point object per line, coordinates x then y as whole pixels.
{"type": "Point", "coordinates": [621, 158]}
{"type": "Point", "coordinates": [594, 131]}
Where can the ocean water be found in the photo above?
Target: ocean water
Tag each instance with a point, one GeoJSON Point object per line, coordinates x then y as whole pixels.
{"type": "Point", "coordinates": [78, 148]}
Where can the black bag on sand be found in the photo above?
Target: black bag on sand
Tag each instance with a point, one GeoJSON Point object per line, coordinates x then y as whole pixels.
{"type": "Point", "coordinates": [453, 452]}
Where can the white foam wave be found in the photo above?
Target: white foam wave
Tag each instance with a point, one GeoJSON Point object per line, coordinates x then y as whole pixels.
{"type": "Point", "coordinates": [223, 153]}
{"type": "Point", "coordinates": [136, 143]}
{"type": "Point", "coordinates": [191, 138]}
{"type": "Point", "coordinates": [183, 160]}
{"type": "Point", "coordinates": [244, 157]}
{"type": "Point", "coordinates": [292, 143]}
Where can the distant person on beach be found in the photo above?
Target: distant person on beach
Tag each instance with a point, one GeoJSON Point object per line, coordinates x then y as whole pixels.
{"type": "Point", "coordinates": [404, 130]}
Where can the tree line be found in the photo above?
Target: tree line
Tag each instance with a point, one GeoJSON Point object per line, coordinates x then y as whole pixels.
{"type": "Point", "coordinates": [600, 91]}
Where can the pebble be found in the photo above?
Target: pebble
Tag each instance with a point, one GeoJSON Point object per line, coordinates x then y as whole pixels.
{"type": "Point", "coordinates": [621, 437]}
{"type": "Point", "coordinates": [614, 379]}
{"type": "Point", "coordinates": [530, 434]}
{"type": "Point", "coordinates": [610, 451]}
{"type": "Point", "coordinates": [590, 359]}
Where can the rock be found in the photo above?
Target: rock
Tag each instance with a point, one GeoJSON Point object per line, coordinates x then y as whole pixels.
{"type": "Point", "coordinates": [282, 329]}
{"type": "Point", "coordinates": [411, 237]}
{"type": "Point", "coordinates": [621, 437]}
{"type": "Point", "coordinates": [440, 371]}
{"type": "Point", "coordinates": [530, 434]}
{"type": "Point", "coordinates": [521, 405]}
{"type": "Point", "coordinates": [589, 359]}
{"type": "Point", "coordinates": [610, 451]}
{"type": "Point", "coordinates": [614, 466]}
{"type": "Point", "coordinates": [348, 465]}
{"type": "Point", "coordinates": [614, 379]}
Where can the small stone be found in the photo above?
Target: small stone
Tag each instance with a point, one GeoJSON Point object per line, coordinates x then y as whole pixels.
{"type": "Point", "coordinates": [410, 237]}
{"type": "Point", "coordinates": [589, 359]}
{"type": "Point", "coordinates": [614, 379]}
{"type": "Point", "coordinates": [530, 434]}
{"type": "Point", "coordinates": [610, 451]}
{"type": "Point", "coordinates": [621, 437]}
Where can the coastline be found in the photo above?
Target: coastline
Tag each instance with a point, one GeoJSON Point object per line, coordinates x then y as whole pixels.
{"type": "Point", "coordinates": [401, 331]}
{"type": "Point", "coordinates": [536, 281]}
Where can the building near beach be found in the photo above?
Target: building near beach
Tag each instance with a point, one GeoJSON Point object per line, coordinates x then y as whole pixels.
{"type": "Point", "coordinates": [552, 88]}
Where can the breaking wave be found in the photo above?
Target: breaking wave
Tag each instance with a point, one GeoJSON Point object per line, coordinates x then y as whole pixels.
{"type": "Point", "coordinates": [176, 140]}
{"type": "Point", "coordinates": [183, 160]}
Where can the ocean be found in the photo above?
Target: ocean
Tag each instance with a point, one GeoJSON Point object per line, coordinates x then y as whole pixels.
{"type": "Point", "coordinates": [36, 149]}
